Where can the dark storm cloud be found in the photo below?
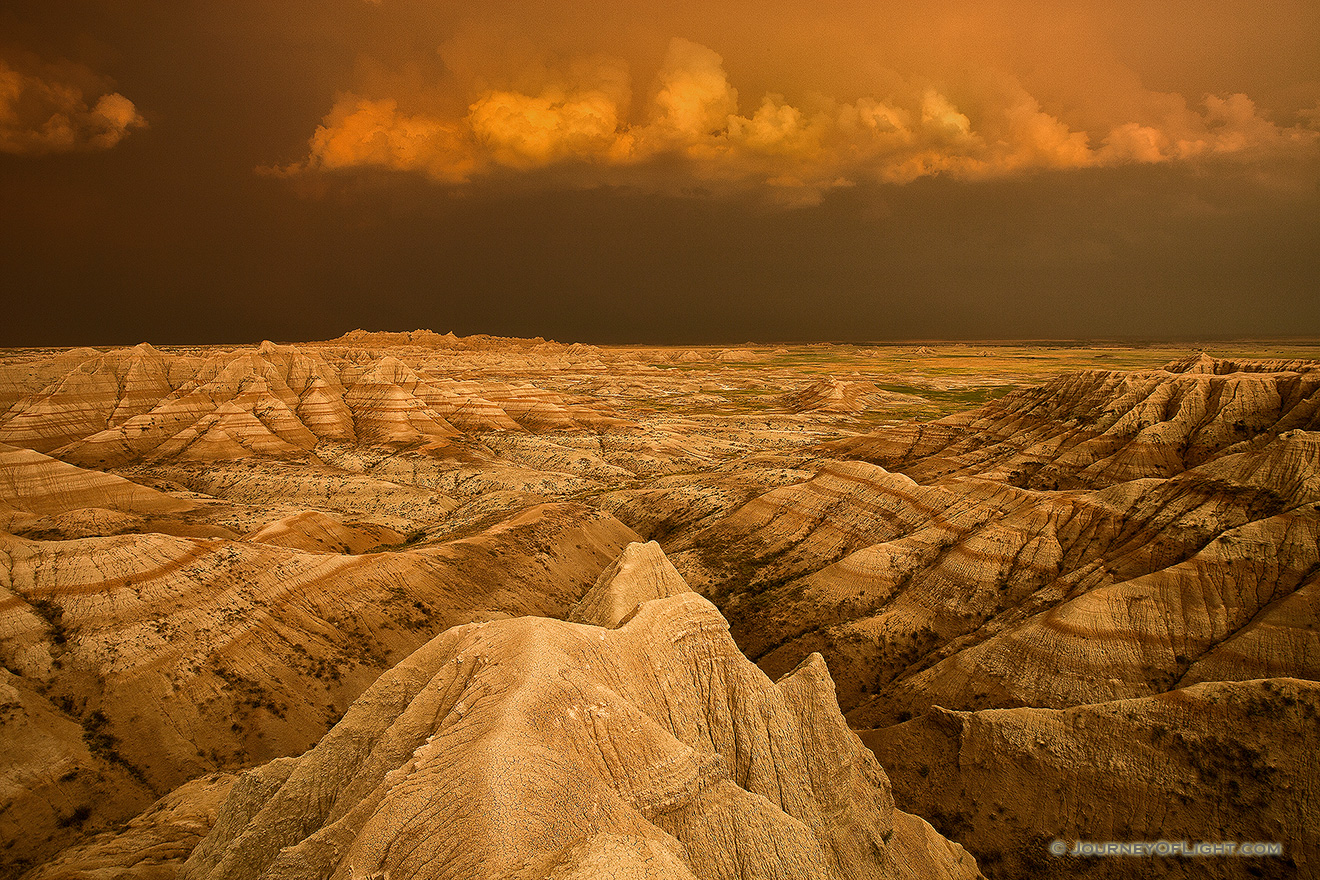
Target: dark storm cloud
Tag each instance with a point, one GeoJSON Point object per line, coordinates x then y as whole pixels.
{"type": "Point", "coordinates": [684, 171]}
{"type": "Point", "coordinates": [44, 109]}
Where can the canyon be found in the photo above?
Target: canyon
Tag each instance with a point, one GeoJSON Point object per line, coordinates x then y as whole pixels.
{"type": "Point", "coordinates": [419, 605]}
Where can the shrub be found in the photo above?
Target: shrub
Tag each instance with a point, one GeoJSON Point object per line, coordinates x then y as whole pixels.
{"type": "Point", "coordinates": [77, 817]}
{"type": "Point", "coordinates": [53, 614]}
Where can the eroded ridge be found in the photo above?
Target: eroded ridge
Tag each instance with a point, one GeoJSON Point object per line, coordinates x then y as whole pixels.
{"type": "Point", "coordinates": [208, 554]}
{"type": "Point", "coordinates": [537, 748]}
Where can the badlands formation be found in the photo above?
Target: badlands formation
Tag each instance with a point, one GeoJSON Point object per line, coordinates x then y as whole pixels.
{"type": "Point", "coordinates": [414, 605]}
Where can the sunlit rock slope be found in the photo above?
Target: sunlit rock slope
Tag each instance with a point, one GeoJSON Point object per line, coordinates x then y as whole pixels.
{"type": "Point", "coordinates": [1090, 562]}
{"type": "Point", "coordinates": [531, 748]}
{"type": "Point", "coordinates": [930, 566]}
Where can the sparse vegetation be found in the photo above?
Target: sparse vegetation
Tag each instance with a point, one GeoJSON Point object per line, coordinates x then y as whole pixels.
{"type": "Point", "coordinates": [972, 549]}
{"type": "Point", "coordinates": [53, 613]}
{"type": "Point", "coordinates": [105, 745]}
{"type": "Point", "coordinates": [251, 695]}
{"type": "Point", "coordinates": [77, 818]}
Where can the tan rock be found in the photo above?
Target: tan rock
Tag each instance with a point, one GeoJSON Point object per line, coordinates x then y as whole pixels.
{"type": "Point", "coordinates": [54, 786]}
{"type": "Point", "coordinates": [533, 748]}
{"type": "Point", "coordinates": [640, 574]}
{"type": "Point", "coordinates": [1212, 762]}
{"type": "Point", "coordinates": [317, 532]}
{"type": "Point", "coordinates": [205, 654]}
{"type": "Point", "coordinates": [154, 845]}
{"type": "Point", "coordinates": [36, 483]}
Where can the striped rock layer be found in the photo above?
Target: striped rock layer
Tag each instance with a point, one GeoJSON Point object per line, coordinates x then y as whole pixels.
{"type": "Point", "coordinates": [530, 748]}
{"type": "Point", "coordinates": [141, 404]}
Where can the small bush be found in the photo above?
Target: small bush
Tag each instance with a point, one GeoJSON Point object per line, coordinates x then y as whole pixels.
{"type": "Point", "coordinates": [53, 614]}
{"type": "Point", "coordinates": [77, 817]}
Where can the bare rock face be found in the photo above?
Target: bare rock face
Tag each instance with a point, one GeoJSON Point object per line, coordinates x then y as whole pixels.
{"type": "Point", "coordinates": [277, 401]}
{"type": "Point", "coordinates": [108, 389]}
{"type": "Point", "coordinates": [950, 576]}
{"type": "Point", "coordinates": [22, 378]}
{"type": "Point", "coordinates": [1229, 761]}
{"type": "Point", "coordinates": [1098, 428]}
{"type": "Point", "coordinates": [318, 532]}
{"type": "Point", "coordinates": [43, 497]}
{"type": "Point", "coordinates": [1204, 363]}
{"type": "Point", "coordinates": [57, 777]}
{"type": "Point", "coordinates": [38, 484]}
{"type": "Point", "coordinates": [843, 396]}
{"type": "Point", "coordinates": [1108, 545]}
{"type": "Point", "coordinates": [640, 574]}
{"type": "Point", "coordinates": [1084, 587]}
{"type": "Point", "coordinates": [172, 657]}
{"type": "Point", "coordinates": [154, 845]}
{"type": "Point", "coordinates": [1230, 610]}
{"type": "Point", "coordinates": [538, 748]}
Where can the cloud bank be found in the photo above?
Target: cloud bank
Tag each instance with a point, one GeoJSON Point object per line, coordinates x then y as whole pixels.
{"type": "Point", "coordinates": [692, 133]}
{"type": "Point", "coordinates": [42, 113]}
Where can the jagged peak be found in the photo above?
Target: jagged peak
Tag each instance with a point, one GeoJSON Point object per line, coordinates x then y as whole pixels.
{"type": "Point", "coordinates": [641, 573]}
{"type": "Point", "coordinates": [809, 683]}
{"type": "Point", "coordinates": [1207, 364]}
{"type": "Point", "coordinates": [647, 747]}
{"type": "Point", "coordinates": [389, 370]}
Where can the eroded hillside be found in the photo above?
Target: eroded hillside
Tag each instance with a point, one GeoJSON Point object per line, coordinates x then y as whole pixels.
{"type": "Point", "coordinates": [210, 556]}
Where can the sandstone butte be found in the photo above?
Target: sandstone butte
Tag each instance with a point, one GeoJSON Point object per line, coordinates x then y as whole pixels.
{"type": "Point", "coordinates": [386, 606]}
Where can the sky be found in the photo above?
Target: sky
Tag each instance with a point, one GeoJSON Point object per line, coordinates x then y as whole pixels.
{"type": "Point", "coordinates": [674, 172]}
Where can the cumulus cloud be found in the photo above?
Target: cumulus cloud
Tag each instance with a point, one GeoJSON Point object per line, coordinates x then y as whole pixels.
{"type": "Point", "coordinates": [522, 131]}
{"type": "Point", "coordinates": [41, 113]}
{"type": "Point", "coordinates": [796, 152]}
{"type": "Point", "coordinates": [364, 133]}
{"type": "Point", "coordinates": [695, 101]}
{"type": "Point", "coordinates": [1229, 126]}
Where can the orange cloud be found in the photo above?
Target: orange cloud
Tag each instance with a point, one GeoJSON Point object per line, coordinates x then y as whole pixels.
{"type": "Point", "coordinates": [521, 131]}
{"type": "Point", "coordinates": [40, 115]}
{"type": "Point", "coordinates": [364, 133]}
{"type": "Point", "coordinates": [1229, 127]}
{"type": "Point", "coordinates": [794, 153]}
{"type": "Point", "coordinates": [695, 100]}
